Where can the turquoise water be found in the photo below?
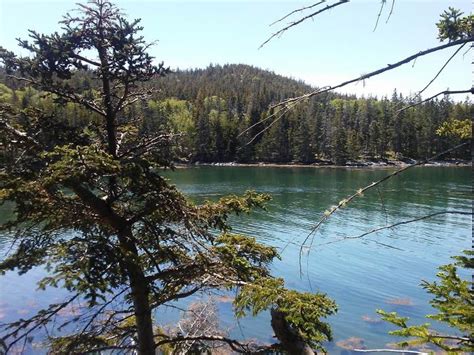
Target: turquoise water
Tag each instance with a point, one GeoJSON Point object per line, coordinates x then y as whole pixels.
{"type": "Point", "coordinates": [362, 274]}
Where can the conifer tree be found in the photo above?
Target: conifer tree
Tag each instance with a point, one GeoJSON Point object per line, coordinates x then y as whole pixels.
{"type": "Point", "coordinates": [90, 203]}
{"type": "Point", "coordinates": [452, 299]}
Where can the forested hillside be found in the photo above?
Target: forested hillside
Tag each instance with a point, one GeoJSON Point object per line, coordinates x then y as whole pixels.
{"type": "Point", "coordinates": [211, 107]}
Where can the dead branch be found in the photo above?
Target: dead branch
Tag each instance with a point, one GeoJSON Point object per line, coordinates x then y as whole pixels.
{"type": "Point", "coordinates": [376, 72]}
{"type": "Point", "coordinates": [378, 229]}
{"type": "Point", "coordinates": [418, 94]}
{"type": "Point", "coordinates": [99, 350]}
{"type": "Point", "coordinates": [148, 144]}
{"type": "Point", "coordinates": [246, 348]}
{"type": "Point", "coordinates": [445, 92]}
{"type": "Point", "coordinates": [20, 135]}
{"type": "Point", "coordinates": [391, 11]}
{"type": "Point", "coordinates": [39, 320]}
{"type": "Point", "coordinates": [441, 70]}
{"type": "Point", "coordinates": [100, 310]}
{"type": "Point", "coordinates": [382, 5]}
{"type": "Point", "coordinates": [66, 94]}
{"type": "Point", "coordinates": [295, 23]}
{"type": "Point", "coordinates": [278, 114]}
{"type": "Point", "coordinates": [298, 10]}
{"type": "Point", "coordinates": [360, 192]}
{"type": "Point", "coordinates": [389, 351]}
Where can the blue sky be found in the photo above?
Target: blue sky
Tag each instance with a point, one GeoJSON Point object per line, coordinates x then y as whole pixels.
{"type": "Point", "coordinates": [336, 46]}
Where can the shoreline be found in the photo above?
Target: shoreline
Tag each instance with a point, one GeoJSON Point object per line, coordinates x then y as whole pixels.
{"type": "Point", "coordinates": [350, 165]}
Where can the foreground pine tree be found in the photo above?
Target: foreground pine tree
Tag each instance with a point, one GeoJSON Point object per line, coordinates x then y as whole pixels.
{"type": "Point", "coordinates": [453, 300]}
{"type": "Point", "coordinates": [91, 206]}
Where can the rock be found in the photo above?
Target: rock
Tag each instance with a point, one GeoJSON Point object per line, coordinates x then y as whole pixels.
{"type": "Point", "coordinates": [400, 302]}
{"type": "Point", "coordinates": [351, 343]}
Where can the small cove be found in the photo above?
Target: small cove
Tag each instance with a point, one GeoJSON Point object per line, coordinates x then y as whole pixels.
{"type": "Point", "coordinates": [381, 270]}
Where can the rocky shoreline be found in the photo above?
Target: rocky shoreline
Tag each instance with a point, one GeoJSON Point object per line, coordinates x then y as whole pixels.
{"type": "Point", "coordinates": [386, 163]}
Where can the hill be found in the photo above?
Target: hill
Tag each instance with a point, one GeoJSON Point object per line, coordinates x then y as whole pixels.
{"type": "Point", "coordinates": [221, 115]}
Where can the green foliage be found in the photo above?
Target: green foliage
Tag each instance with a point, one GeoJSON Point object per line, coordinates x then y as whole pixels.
{"type": "Point", "coordinates": [244, 255]}
{"type": "Point", "coordinates": [453, 299]}
{"type": "Point", "coordinates": [215, 214]}
{"type": "Point", "coordinates": [82, 155]}
{"type": "Point", "coordinates": [454, 26]}
{"type": "Point", "coordinates": [206, 113]}
{"type": "Point", "coordinates": [303, 311]}
{"type": "Point", "coordinates": [5, 93]}
{"type": "Point", "coordinates": [456, 128]}
{"type": "Point", "coordinates": [76, 343]}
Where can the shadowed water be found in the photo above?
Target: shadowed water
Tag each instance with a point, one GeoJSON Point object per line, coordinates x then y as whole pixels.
{"type": "Point", "coordinates": [381, 270]}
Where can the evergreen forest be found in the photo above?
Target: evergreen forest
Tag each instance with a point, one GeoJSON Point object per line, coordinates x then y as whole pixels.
{"type": "Point", "coordinates": [89, 122]}
{"type": "Point", "coordinates": [221, 114]}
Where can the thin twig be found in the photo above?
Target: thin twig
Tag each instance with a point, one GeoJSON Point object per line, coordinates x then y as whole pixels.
{"type": "Point", "coordinates": [281, 113]}
{"type": "Point", "coordinates": [380, 13]}
{"type": "Point", "coordinates": [38, 320]}
{"type": "Point", "coordinates": [234, 344]}
{"type": "Point", "coordinates": [99, 311]}
{"type": "Point", "coordinates": [383, 204]}
{"type": "Point", "coordinates": [441, 70]}
{"type": "Point", "coordinates": [360, 192]}
{"type": "Point", "coordinates": [378, 229]}
{"type": "Point", "coordinates": [389, 351]}
{"type": "Point", "coordinates": [418, 94]}
{"type": "Point", "coordinates": [445, 92]}
{"type": "Point", "coordinates": [259, 122]}
{"type": "Point", "coordinates": [297, 10]}
{"type": "Point", "coordinates": [375, 72]}
{"type": "Point", "coordinates": [467, 51]}
{"type": "Point", "coordinates": [391, 11]}
{"type": "Point", "coordinates": [281, 31]}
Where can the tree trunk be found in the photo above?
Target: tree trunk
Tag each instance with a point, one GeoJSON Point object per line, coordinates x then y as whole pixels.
{"type": "Point", "coordinates": [140, 296]}
{"type": "Point", "coordinates": [143, 319]}
{"type": "Point", "coordinates": [289, 337]}
{"type": "Point", "coordinates": [138, 282]}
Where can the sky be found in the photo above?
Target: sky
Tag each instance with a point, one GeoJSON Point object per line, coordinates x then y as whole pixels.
{"type": "Point", "coordinates": [338, 45]}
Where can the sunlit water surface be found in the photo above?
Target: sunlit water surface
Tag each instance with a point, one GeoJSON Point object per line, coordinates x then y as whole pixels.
{"type": "Point", "coordinates": [362, 275]}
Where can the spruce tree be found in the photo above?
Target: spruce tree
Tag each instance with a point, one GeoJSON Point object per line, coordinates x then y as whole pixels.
{"type": "Point", "coordinates": [92, 207]}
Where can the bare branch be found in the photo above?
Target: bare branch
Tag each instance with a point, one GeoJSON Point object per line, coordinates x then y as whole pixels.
{"type": "Point", "coordinates": [99, 350]}
{"type": "Point", "coordinates": [84, 59]}
{"type": "Point", "coordinates": [418, 94]}
{"type": "Point", "coordinates": [20, 135]}
{"type": "Point", "coordinates": [40, 319]}
{"type": "Point", "coordinates": [298, 10]}
{"type": "Point", "coordinates": [292, 24]}
{"type": "Point", "coordinates": [246, 348]}
{"type": "Point", "coordinates": [376, 72]}
{"type": "Point", "coordinates": [148, 144]}
{"type": "Point", "coordinates": [442, 68]}
{"type": "Point", "coordinates": [100, 310]}
{"type": "Point", "coordinates": [389, 351]}
{"type": "Point", "coordinates": [64, 94]}
{"type": "Point", "coordinates": [467, 51]}
{"type": "Point", "coordinates": [382, 4]}
{"type": "Point", "coordinates": [128, 98]}
{"type": "Point", "coordinates": [360, 192]}
{"type": "Point", "coordinates": [378, 229]}
{"type": "Point", "coordinates": [391, 11]}
{"type": "Point", "coordinates": [445, 92]}
{"type": "Point", "coordinates": [278, 114]}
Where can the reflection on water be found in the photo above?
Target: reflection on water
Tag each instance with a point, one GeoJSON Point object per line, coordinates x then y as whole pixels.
{"type": "Point", "coordinates": [381, 270]}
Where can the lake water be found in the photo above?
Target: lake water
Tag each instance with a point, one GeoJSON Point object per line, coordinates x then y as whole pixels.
{"type": "Point", "coordinates": [380, 270]}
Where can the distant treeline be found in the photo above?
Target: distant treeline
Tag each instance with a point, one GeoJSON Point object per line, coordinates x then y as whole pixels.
{"type": "Point", "coordinates": [211, 108]}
